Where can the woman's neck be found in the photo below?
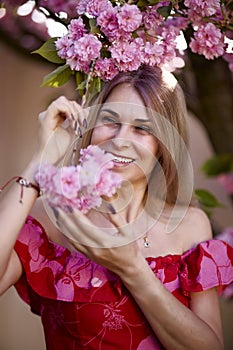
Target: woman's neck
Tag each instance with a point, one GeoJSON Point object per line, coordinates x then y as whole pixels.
{"type": "Point", "coordinates": [129, 200]}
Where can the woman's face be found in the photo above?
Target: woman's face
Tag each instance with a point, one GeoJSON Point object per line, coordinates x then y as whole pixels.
{"type": "Point", "coordinates": [124, 129]}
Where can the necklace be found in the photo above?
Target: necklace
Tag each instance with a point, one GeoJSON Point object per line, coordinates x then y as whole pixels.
{"type": "Point", "coordinates": [145, 238]}
{"type": "Point", "coordinates": [146, 242]}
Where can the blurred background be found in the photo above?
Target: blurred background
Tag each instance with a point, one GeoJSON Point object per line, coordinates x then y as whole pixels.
{"type": "Point", "coordinates": [208, 89]}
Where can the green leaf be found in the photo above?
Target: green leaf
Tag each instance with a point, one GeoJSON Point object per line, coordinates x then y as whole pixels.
{"type": "Point", "coordinates": [95, 85]}
{"type": "Point", "coordinates": [58, 77]}
{"type": "Point", "coordinates": [218, 164]}
{"type": "Point", "coordinates": [79, 77]}
{"type": "Point", "coordinates": [94, 88]}
{"type": "Point", "coordinates": [207, 199]}
{"type": "Point", "coordinates": [153, 2]}
{"type": "Point", "coordinates": [81, 88]}
{"type": "Point", "coordinates": [142, 3]}
{"type": "Point", "coordinates": [49, 52]}
{"type": "Point", "coordinates": [165, 11]}
{"type": "Point", "coordinates": [93, 26]}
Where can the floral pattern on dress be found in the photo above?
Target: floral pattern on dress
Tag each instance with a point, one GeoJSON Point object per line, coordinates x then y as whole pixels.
{"type": "Point", "coordinates": [85, 306]}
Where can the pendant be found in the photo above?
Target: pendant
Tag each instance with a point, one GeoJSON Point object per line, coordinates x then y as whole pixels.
{"type": "Point", "coordinates": [146, 242]}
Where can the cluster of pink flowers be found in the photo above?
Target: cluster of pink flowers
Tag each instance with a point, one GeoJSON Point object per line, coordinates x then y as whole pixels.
{"type": "Point", "coordinates": [81, 186]}
{"type": "Point", "coordinates": [202, 8]}
{"type": "Point", "coordinates": [127, 37]}
{"type": "Point", "coordinates": [123, 35]}
{"type": "Point", "coordinates": [208, 41]}
{"type": "Point", "coordinates": [117, 24]}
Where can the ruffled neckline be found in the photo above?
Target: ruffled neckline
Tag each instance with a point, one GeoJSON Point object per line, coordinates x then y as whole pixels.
{"type": "Point", "coordinates": [71, 276]}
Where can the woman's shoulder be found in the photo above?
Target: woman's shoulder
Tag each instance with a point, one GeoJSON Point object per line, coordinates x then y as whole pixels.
{"type": "Point", "coordinates": [195, 228]}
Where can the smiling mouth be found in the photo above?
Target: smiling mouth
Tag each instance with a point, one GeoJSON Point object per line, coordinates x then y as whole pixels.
{"type": "Point", "coordinates": [122, 160]}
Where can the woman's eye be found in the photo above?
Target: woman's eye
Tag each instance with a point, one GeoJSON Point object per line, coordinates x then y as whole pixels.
{"type": "Point", "coordinates": [144, 129]}
{"type": "Point", "coordinates": [109, 120]}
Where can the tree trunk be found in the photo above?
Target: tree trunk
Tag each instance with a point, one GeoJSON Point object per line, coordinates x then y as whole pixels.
{"type": "Point", "coordinates": [208, 87]}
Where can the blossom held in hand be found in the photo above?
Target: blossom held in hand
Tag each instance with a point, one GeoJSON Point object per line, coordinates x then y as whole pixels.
{"type": "Point", "coordinates": [81, 186]}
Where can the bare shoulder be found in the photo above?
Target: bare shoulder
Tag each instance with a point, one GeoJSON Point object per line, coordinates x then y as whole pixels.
{"type": "Point", "coordinates": [195, 228]}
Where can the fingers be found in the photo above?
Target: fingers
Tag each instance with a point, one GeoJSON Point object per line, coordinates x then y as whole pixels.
{"type": "Point", "coordinates": [81, 248]}
{"type": "Point", "coordinates": [65, 112]}
{"type": "Point", "coordinates": [115, 218]}
{"type": "Point", "coordinates": [78, 227]}
{"type": "Point", "coordinates": [134, 230]}
{"type": "Point", "coordinates": [79, 118]}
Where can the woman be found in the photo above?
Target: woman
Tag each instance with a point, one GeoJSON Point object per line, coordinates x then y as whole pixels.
{"type": "Point", "coordinates": [140, 272]}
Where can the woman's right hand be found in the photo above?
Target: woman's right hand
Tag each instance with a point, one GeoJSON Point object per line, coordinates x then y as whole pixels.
{"type": "Point", "coordinates": [59, 125]}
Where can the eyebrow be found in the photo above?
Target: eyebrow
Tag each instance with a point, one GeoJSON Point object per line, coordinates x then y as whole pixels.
{"type": "Point", "coordinates": [110, 111]}
{"type": "Point", "coordinates": [117, 115]}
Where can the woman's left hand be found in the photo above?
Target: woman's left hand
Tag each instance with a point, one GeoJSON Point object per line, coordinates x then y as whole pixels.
{"type": "Point", "coordinates": [114, 248]}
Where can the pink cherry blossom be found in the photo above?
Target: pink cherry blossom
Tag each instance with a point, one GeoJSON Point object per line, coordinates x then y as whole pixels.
{"type": "Point", "coordinates": [105, 69]}
{"type": "Point", "coordinates": [127, 55]}
{"type": "Point", "coordinates": [44, 175]}
{"type": "Point", "coordinates": [80, 55]}
{"type": "Point", "coordinates": [108, 22]}
{"type": "Point", "coordinates": [153, 53]}
{"type": "Point", "coordinates": [129, 18]}
{"type": "Point", "coordinates": [151, 18]}
{"type": "Point", "coordinates": [208, 41]}
{"type": "Point", "coordinates": [202, 8]}
{"type": "Point", "coordinates": [226, 180]}
{"type": "Point", "coordinates": [96, 7]}
{"type": "Point", "coordinates": [63, 45]}
{"type": "Point", "coordinates": [66, 181]}
{"type": "Point", "coordinates": [88, 47]}
{"type": "Point", "coordinates": [181, 23]}
{"type": "Point", "coordinates": [81, 6]}
{"type": "Point", "coordinates": [80, 186]}
{"type": "Point", "coordinates": [169, 36]}
{"type": "Point", "coordinates": [76, 29]}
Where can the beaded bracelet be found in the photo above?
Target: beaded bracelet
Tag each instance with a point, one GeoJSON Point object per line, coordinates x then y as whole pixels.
{"type": "Point", "coordinates": [23, 183]}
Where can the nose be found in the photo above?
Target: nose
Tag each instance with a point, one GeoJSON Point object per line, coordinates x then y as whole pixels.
{"type": "Point", "coordinates": [122, 138]}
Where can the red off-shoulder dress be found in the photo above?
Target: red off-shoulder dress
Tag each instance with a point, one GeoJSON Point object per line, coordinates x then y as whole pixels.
{"type": "Point", "coordinates": [83, 305]}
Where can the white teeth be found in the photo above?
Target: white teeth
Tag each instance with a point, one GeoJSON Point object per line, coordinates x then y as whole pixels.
{"type": "Point", "coordinates": [122, 160]}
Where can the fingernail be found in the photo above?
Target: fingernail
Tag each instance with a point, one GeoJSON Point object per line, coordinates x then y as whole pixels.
{"type": "Point", "coordinates": [56, 213]}
{"type": "Point", "coordinates": [75, 125]}
{"type": "Point", "coordinates": [69, 208]}
{"type": "Point", "coordinates": [85, 123]}
{"type": "Point", "coordinates": [80, 132]}
{"type": "Point", "coordinates": [72, 116]}
{"type": "Point", "coordinates": [111, 208]}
